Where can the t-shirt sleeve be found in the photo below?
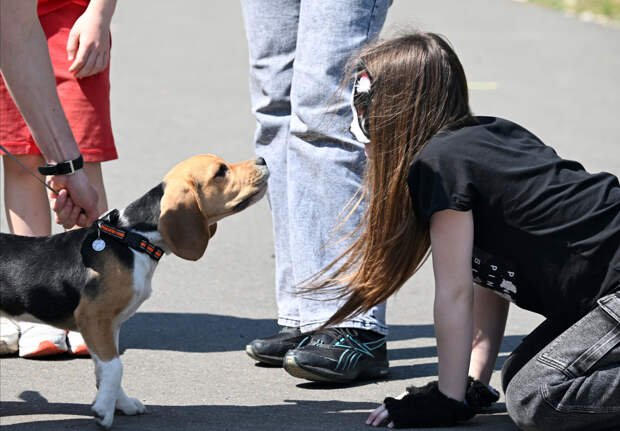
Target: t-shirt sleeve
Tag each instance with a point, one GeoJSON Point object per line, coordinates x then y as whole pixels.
{"type": "Point", "coordinates": [440, 179]}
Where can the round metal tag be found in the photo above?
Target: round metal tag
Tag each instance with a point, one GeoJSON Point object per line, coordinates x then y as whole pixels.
{"type": "Point", "coordinates": [98, 244]}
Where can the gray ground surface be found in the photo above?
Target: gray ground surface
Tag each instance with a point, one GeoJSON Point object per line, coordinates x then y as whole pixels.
{"type": "Point", "coordinates": [180, 87]}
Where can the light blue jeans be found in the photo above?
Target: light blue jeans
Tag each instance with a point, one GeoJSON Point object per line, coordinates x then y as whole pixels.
{"type": "Point", "coordinates": [298, 50]}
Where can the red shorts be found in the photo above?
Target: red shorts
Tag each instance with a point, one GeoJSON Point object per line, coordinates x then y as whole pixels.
{"type": "Point", "coordinates": [86, 101]}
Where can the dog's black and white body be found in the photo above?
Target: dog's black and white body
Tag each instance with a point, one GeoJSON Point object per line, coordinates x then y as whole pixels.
{"type": "Point", "coordinates": [64, 281]}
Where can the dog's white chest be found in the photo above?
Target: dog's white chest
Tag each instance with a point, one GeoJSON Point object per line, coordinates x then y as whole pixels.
{"type": "Point", "coordinates": [143, 270]}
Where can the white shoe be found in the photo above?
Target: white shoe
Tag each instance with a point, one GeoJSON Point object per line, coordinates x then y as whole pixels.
{"type": "Point", "coordinates": [77, 345]}
{"type": "Point", "coordinates": [41, 340]}
{"type": "Point", "coordinates": [9, 336]}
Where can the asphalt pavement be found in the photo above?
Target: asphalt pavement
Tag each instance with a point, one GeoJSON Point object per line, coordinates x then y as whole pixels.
{"type": "Point", "coordinates": [179, 88]}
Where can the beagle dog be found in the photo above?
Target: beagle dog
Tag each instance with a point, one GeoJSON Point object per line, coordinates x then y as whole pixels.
{"type": "Point", "coordinates": [93, 279]}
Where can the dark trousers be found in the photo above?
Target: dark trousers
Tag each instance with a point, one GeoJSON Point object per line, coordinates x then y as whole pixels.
{"type": "Point", "coordinates": [568, 378]}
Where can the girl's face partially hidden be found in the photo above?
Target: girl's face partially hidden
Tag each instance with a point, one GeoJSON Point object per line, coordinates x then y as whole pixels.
{"type": "Point", "coordinates": [360, 102]}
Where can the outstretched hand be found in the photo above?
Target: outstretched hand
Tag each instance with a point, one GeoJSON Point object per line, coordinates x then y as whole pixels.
{"type": "Point", "coordinates": [380, 414]}
{"type": "Point", "coordinates": [378, 417]}
{"type": "Point", "coordinates": [427, 406]}
{"type": "Point", "coordinates": [89, 44]}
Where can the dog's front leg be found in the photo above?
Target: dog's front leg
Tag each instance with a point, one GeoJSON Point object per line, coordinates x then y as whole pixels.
{"type": "Point", "coordinates": [97, 328]}
{"type": "Point", "coordinates": [109, 375]}
{"type": "Point", "coordinates": [129, 406]}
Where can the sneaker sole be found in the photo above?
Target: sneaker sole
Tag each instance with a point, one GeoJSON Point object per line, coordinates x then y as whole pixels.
{"type": "Point", "coordinates": [80, 350]}
{"type": "Point", "coordinates": [45, 348]}
{"type": "Point", "coordinates": [294, 369]}
{"type": "Point", "coordinates": [271, 360]}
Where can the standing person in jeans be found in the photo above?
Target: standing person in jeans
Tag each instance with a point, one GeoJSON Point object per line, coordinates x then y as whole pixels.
{"type": "Point", "coordinates": [298, 50]}
{"type": "Point", "coordinates": [78, 40]}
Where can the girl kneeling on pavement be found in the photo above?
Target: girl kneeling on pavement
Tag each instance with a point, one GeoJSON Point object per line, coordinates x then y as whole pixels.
{"type": "Point", "coordinates": [507, 219]}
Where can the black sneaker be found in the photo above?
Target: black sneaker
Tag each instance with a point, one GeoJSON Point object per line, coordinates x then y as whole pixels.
{"type": "Point", "coordinates": [339, 355]}
{"type": "Point", "coordinates": [271, 350]}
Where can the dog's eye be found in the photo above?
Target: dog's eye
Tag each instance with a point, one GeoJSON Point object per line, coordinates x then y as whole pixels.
{"type": "Point", "coordinates": [221, 172]}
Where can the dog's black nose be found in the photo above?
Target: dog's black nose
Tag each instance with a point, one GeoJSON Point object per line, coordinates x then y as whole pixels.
{"type": "Point", "coordinates": [260, 161]}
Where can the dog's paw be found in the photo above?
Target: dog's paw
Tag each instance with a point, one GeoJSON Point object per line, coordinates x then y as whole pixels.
{"type": "Point", "coordinates": [104, 415]}
{"type": "Point", "coordinates": [130, 406]}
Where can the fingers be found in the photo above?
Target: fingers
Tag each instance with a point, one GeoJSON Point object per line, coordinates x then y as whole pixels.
{"type": "Point", "coordinates": [71, 220]}
{"type": "Point", "coordinates": [68, 214]}
{"type": "Point", "coordinates": [95, 63]}
{"type": "Point", "coordinates": [102, 62]}
{"type": "Point", "coordinates": [91, 52]}
{"type": "Point", "coordinates": [66, 211]}
{"type": "Point", "coordinates": [73, 217]}
{"type": "Point", "coordinates": [58, 201]}
{"type": "Point", "coordinates": [85, 64]}
{"type": "Point", "coordinates": [84, 221]}
{"type": "Point", "coordinates": [72, 45]}
{"type": "Point", "coordinates": [81, 58]}
{"type": "Point", "coordinates": [87, 218]}
{"type": "Point", "coordinates": [378, 417]}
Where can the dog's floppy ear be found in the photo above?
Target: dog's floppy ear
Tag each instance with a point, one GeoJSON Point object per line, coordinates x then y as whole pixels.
{"type": "Point", "coordinates": [182, 224]}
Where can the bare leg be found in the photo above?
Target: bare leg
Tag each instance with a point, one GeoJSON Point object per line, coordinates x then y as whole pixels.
{"type": "Point", "coordinates": [25, 200]}
{"type": "Point", "coordinates": [28, 214]}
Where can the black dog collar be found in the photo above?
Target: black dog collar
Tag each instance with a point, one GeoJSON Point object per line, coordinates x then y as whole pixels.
{"type": "Point", "coordinates": [65, 168]}
{"type": "Point", "coordinates": [132, 239]}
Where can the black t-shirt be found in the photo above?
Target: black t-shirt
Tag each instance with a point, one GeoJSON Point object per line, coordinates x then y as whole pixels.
{"type": "Point", "coordinates": [546, 232]}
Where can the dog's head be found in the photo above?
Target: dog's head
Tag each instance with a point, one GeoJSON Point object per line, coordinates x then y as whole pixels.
{"type": "Point", "coordinates": [201, 191]}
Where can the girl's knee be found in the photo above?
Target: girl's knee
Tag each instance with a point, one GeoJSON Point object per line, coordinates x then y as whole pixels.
{"type": "Point", "coordinates": [529, 409]}
{"type": "Point", "coordinates": [525, 405]}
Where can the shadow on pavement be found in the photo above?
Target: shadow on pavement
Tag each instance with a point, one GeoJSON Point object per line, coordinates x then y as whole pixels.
{"type": "Point", "coordinates": [307, 415]}
{"type": "Point", "coordinates": [204, 333]}
{"type": "Point", "coordinates": [294, 414]}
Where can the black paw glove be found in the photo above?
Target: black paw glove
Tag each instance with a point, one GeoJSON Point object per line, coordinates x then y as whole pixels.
{"type": "Point", "coordinates": [479, 396]}
{"type": "Point", "coordinates": [426, 407]}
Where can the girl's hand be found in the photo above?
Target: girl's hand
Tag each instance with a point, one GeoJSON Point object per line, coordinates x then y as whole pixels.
{"type": "Point", "coordinates": [380, 415]}
{"type": "Point", "coordinates": [89, 40]}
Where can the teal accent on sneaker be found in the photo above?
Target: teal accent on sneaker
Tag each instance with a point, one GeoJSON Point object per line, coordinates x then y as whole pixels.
{"type": "Point", "coordinates": [354, 351]}
{"type": "Point", "coordinates": [339, 355]}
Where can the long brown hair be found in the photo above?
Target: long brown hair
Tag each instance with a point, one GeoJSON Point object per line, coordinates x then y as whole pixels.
{"type": "Point", "coordinates": [418, 88]}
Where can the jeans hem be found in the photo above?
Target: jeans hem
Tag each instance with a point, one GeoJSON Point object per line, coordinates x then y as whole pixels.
{"type": "Point", "coordinates": [285, 321]}
{"type": "Point", "coordinates": [357, 324]}
{"type": "Point", "coordinates": [313, 326]}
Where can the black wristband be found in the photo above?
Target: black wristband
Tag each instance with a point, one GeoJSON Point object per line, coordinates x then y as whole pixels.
{"type": "Point", "coordinates": [65, 168]}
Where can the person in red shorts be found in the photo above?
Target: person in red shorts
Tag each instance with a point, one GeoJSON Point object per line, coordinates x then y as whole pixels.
{"type": "Point", "coordinates": [78, 37]}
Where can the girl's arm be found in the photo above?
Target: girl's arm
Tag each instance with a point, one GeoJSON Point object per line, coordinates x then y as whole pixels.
{"type": "Point", "coordinates": [490, 312]}
{"type": "Point", "coordinates": [452, 237]}
{"type": "Point", "coordinates": [89, 40]}
{"type": "Point", "coordinates": [452, 234]}
{"type": "Point", "coordinates": [440, 403]}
